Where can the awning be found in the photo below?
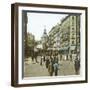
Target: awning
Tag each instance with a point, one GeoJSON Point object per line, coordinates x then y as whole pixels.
{"type": "Point", "coordinates": [72, 47]}
{"type": "Point", "coordinates": [64, 48]}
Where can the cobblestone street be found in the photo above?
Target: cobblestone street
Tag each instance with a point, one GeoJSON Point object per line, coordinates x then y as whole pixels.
{"type": "Point", "coordinates": [33, 69]}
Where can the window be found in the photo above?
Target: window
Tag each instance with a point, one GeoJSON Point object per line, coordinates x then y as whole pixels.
{"type": "Point", "coordinates": [72, 20]}
{"type": "Point", "coordinates": [72, 17]}
{"type": "Point", "coordinates": [72, 42]}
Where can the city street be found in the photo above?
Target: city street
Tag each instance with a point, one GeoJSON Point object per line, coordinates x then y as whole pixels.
{"type": "Point", "coordinates": [62, 39]}
{"type": "Point", "coordinates": [33, 69]}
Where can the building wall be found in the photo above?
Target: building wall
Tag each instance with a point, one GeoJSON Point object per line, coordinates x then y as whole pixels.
{"type": "Point", "coordinates": [54, 37]}
{"type": "Point", "coordinates": [65, 29]}
{"type": "Point", "coordinates": [70, 36]}
{"type": "Point", "coordinates": [66, 36]}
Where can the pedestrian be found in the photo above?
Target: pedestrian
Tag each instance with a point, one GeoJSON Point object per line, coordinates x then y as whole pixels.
{"type": "Point", "coordinates": [41, 60]}
{"type": "Point", "coordinates": [44, 58]}
{"type": "Point", "coordinates": [35, 56]}
{"type": "Point", "coordinates": [56, 66]}
{"type": "Point", "coordinates": [32, 58]}
{"type": "Point", "coordinates": [47, 62]}
{"type": "Point", "coordinates": [77, 66]}
{"type": "Point", "coordinates": [51, 67]}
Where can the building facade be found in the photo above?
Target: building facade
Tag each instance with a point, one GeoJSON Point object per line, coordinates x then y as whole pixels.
{"type": "Point", "coordinates": [54, 37]}
{"type": "Point", "coordinates": [70, 37]}
{"type": "Point", "coordinates": [65, 37]}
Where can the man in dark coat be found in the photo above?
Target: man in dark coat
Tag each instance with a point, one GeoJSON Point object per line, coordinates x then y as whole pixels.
{"type": "Point", "coordinates": [77, 66]}
{"type": "Point", "coordinates": [47, 62]}
{"type": "Point", "coordinates": [56, 66]}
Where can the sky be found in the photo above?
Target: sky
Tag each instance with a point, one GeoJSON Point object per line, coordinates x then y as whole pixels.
{"type": "Point", "coordinates": [38, 21]}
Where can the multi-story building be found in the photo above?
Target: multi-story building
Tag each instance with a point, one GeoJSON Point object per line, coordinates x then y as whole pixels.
{"type": "Point", "coordinates": [70, 37]}
{"type": "Point", "coordinates": [54, 40]}
{"type": "Point", "coordinates": [64, 37]}
{"type": "Point", "coordinates": [54, 37]}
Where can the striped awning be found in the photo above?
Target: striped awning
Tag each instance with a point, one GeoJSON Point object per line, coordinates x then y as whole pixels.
{"type": "Point", "coordinates": [64, 48]}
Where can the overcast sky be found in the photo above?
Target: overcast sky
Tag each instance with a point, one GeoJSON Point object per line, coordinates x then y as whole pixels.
{"type": "Point", "coordinates": [38, 21]}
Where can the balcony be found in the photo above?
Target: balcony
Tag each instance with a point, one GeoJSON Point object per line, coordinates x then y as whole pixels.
{"type": "Point", "coordinates": [73, 37]}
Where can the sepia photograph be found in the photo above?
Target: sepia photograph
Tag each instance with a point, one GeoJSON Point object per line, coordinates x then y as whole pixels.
{"type": "Point", "coordinates": [49, 44]}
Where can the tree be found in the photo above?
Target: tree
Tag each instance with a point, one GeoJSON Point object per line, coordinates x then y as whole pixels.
{"type": "Point", "coordinates": [29, 44]}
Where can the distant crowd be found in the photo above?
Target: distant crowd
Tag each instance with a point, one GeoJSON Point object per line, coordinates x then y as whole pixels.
{"type": "Point", "coordinates": [53, 65]}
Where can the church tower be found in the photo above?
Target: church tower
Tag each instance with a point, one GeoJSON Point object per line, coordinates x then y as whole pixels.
{"type": "Point", "coordinates": [44, 38]}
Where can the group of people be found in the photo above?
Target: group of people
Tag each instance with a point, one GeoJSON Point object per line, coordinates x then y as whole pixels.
{"type": "Point", "coordinates": [51, 63]}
